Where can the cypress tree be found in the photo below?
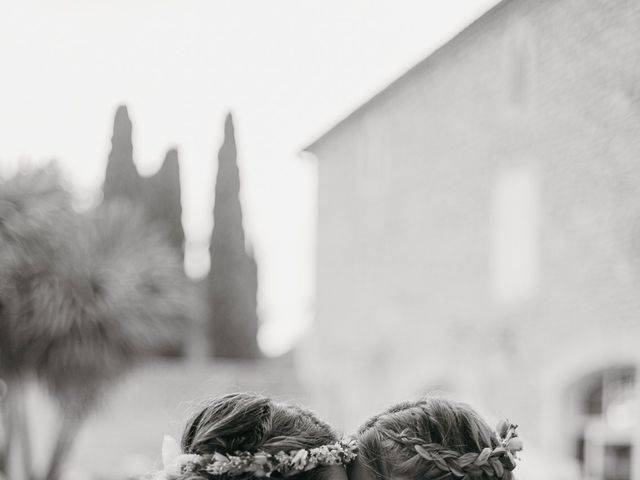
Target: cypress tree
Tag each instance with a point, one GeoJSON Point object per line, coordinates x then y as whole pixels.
{"type": "Point", "coordinates": [158, 195]}
{"type": "Point", "coordinates": [121, 178]}
{"type": "Point", "coordinates": [162, 200]}
{"type": "Point", "coordinates": [232, 279]}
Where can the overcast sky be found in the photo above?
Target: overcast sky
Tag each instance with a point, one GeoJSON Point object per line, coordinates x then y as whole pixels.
{"type": "Point", "coordinates": [287, 69]}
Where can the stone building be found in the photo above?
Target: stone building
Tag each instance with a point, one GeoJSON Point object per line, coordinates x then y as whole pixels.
{"type": "Point", "coordinates": [479, 234]}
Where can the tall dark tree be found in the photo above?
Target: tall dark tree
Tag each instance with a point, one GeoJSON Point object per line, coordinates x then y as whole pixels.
{"type": "Point", "coordinates": [158, 196]}
{"type": "Point", "coordinates": [162, 199]}
{"type": "Point", "coordinates": [233, 276]}
{"type": "Point", "coordinates": [122, 180]}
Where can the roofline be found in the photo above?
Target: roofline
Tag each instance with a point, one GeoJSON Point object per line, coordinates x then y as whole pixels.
{"type": "Point", "coordinates": [463, 34]}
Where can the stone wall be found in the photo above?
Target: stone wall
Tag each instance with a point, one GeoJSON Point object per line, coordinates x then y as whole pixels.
{"type": "Point", "coordinates": [410, 209]}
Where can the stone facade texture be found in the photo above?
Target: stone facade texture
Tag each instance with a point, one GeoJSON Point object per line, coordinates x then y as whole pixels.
{"type": "Point", "coordinates": [408, 222]}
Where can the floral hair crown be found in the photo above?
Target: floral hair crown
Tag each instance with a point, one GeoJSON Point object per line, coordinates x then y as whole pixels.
{"type": "Point", "coordinates": [508, 435]}
{"type": "Point", "coordinates": [491, 462]}
{"type": "Point", "coordinates": [260, 463]}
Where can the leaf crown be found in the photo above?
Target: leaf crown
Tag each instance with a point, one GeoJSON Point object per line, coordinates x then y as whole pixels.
{"type": "Point", "coordinates": [259, 463]}
{"type": "Point", "coordinates": [488, 463]}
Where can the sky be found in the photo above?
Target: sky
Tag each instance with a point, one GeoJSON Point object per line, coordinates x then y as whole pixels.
{"type": "Point", "coordinates": [287, 69]}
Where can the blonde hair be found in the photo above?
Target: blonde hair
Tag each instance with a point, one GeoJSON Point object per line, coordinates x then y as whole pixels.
{"type": "Point", "coordinates": [432, 438]}
{"type": "Point", "coordinates": [252, 422]}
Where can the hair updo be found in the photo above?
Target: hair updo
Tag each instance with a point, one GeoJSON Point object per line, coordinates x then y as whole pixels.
{"type": "Point", "coordinates": [251, 422]}
{"type": "Point", "coordinates": [428, 439]}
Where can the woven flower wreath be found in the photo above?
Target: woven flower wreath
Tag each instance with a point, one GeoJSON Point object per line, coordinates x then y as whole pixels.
{"type": "Point", "coordinates": [488, 463]}
{"type": "Point", "coordinates": [507, 432]}
{"type": "Point", "coordinates": [260, 464]}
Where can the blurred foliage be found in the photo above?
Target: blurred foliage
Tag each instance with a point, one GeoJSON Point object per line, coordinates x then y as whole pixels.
{"type": "Point", "coordinates": [83, 298]}
{"type": "Point", "coordinates": [158, 194]}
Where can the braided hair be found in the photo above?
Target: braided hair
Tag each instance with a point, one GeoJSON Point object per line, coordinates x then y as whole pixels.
{"type": "Point", "coordinates": [432, 439]}
{"type": "Point", "coordinates": [251, 422]}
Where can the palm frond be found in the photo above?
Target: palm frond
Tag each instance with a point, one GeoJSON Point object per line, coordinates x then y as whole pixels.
{"type": "Point", "coordinates": [121, 297]}
{"type": "Point", "coordinates": [82, 297]}
{"type": "Point", "coordinates": [35, 221]}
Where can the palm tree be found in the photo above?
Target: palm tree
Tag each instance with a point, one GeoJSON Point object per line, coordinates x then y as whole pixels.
{"type": "Point", "coordinates": [35, 216]}
{"type": "Point", "coordinates": [105, 291]}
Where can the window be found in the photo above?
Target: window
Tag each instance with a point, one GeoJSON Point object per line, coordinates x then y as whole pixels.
{"type": "Point", "coordinates": [515, 236]}
{"type": "Point", "coordinates": [617, 462]}
{"type": "Point", "coordinates": [606, 416]}
{"type": "Point", "coordinates": [519, 65]}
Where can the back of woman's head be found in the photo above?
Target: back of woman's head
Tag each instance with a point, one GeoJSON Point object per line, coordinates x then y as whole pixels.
{"type": "Point", "coordinates": [433, 438]}
{"type": "Point", "coordinates": [247, 422]}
